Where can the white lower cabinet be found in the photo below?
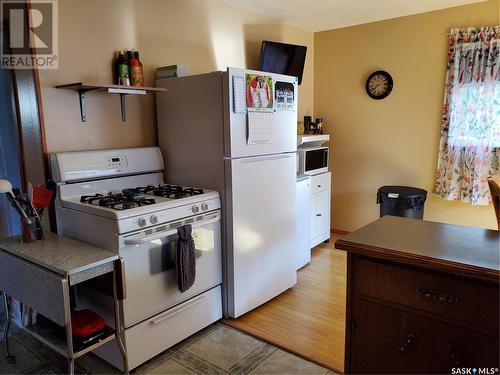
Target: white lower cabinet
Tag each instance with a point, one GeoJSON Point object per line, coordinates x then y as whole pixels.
{"type": "Point", "coordinates": [320, 208]}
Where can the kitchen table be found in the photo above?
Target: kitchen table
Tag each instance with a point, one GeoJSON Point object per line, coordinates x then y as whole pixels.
{"type": "Point", "coordinates": [41, 275]}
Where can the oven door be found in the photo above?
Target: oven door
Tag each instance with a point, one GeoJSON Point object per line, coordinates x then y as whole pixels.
{"type": "Point", "coordinates": [315, 160]}
{"type": "Point", "coordinates": [150, 274]}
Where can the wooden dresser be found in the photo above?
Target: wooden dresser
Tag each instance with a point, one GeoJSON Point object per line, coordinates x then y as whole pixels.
{"type": "Point", "coordinates": [422, 297]}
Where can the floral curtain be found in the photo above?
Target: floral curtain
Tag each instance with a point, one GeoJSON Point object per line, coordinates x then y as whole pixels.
{"type": "Point", "coordinates": [470, 131]}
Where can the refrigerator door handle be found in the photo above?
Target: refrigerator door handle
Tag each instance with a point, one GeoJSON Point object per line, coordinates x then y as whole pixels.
{"type": "Point", "coordinates": [247, 123]}
{"type": "Point", "coordinates": [265, 157]}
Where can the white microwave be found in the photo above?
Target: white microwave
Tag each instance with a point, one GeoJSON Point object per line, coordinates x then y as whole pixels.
{"type": "Point", "coordinates": [312, 160]}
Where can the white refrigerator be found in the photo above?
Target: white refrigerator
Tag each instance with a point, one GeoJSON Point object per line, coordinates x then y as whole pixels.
{"type": "Point", "coordinates": [235, 132]}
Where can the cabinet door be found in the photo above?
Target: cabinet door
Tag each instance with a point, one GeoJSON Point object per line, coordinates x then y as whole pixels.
{"type": "Point", "coordinates": [457, 347]}
{"type": "Point", "coordinates": [320, 215]}
{"type": "Point", "coordinates": [312, 221]}
{"type": "Point", "coordinates": [386, 340]}
{"type": "Point", "coordinates": [323, 212]}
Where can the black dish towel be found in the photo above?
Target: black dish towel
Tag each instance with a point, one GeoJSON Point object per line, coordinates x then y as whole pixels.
{"type": "Point", "coordinates": [186, 258]}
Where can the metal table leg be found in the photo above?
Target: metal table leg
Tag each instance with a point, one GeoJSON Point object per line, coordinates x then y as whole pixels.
{"type": "Point", "coordinates": [69, 348]}
{"type": "Point", "coordinates": [118, 325]}
{"type": "Point", "coordinates": [69, 333]}
{"type": "Point", "coordinates": [5, 335]}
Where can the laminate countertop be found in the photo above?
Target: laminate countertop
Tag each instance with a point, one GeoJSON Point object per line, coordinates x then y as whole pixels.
{"type": "Point", "coordinates": [452, 248]}
{"type": "Point", "coordinates": [62, 255]}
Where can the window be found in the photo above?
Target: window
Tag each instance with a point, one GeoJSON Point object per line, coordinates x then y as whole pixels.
{"type": "Point", "coordinates": [470, 130]}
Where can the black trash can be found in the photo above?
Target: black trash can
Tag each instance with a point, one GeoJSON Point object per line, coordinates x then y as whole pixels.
{"type": "Point", "coordinates": [402, 201]}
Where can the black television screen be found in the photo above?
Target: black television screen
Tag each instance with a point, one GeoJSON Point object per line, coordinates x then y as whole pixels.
{"type": "Point", "coordinates": [282, 58]}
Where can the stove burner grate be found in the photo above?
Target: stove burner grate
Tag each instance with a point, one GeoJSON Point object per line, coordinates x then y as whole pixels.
{"type": "Point", "coordinates": [116, 201]}
{"type": "Point", "coordinates": [129, 197]}
{"type": "Point", "coordinates": [169, 191]}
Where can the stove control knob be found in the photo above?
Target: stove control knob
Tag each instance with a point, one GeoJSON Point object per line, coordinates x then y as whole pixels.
{"type": "Point", "coordinates": [196, 209]}
{"type": "Point", "coordinates": [141, 222]}
{"type": "Point", "coordinates": [204, 206]}
{"type": "Point", "coordinates": [153, 219]}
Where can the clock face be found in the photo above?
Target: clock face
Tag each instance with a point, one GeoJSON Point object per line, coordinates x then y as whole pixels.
{"type": "Point", "coordinates": [379, 85]}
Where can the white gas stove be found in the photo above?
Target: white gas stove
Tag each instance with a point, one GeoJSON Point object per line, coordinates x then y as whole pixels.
{"type": "Point", "coordinates": [117, 199]}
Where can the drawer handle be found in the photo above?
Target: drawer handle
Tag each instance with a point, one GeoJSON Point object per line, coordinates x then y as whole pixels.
{"type": "Point", "coordinates": [455, 353]}
{"type": "Point", "coordinates": [437, 295]}
{"type": "Point", "coordinates": [318, 214]}
{"type": "Point", "coordinates": [177, 310]}
{"type": "Point", "coordinates": [319, 185]}
{"type": "Point", "coordinates": [410, 339]}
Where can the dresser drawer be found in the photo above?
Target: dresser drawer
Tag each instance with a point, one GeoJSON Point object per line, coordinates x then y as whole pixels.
{"type": "Point", "coordinates": [386, 340]}
{"type": "Point", "coordinates": [458, 347]}
{"type": "Point", "coordinates": [473, 304]}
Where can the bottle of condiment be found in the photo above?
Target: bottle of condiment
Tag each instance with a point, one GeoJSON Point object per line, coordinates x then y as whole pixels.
{"type": "Point", "coordinates": [136, 70]}
{"type": "Point", "coordinates": [129, 56]}
{"type": "Point", "coordinates": [115, 67]}
{"type": "Point", "coordinates": [122, 69]}
{"type": "Point", "coordinates": [300, 127]}
{"type": "Point", "coordinates": [307, 124]}
{"type": "Point", "coordinates": [319, 126]}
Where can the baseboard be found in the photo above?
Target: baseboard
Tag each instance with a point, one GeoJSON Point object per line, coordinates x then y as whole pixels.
{"type": "Point", "coordinates": [340, 232]}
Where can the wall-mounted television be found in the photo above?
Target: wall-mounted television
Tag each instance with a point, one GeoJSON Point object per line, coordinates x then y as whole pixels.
{"type": "Point", "coordinates": [282, 58]}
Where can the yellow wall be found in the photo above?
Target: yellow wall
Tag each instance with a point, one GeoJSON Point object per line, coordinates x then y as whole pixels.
{"type": "Point", "coordinates": [392, 141]}
{"type": "Point", "coordinates": [207, 35]}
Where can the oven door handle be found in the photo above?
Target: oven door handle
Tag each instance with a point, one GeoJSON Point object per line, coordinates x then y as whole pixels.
{"type": "Point", "coordinates": [177, 310]}
{"type": "Point", "coordinates": [140, 239]}
{"type": "Point", "coordinates": [137, 240]}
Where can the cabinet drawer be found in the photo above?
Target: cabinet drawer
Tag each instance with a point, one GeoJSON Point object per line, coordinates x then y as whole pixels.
{"type": "Point", "coordinates": [174, 325]}
{"type": "Point", "coordinates": [458, 347]}
{"type": "Point", "coordinates": [320, 182]}
{"type": "Point", "coordinates": [388, 341]}
{"type": "Point", "coordinates": [438, 294]}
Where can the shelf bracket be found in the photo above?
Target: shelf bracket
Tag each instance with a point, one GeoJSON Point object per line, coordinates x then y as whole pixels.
{"type": "Point", "coordinates": [83, 103]}
{"type": "Point", "coordinates": [122, 92]}
{"type": "Point", "coordinates": [83, 106]}
{"type": "Point", "coordinates": [122, 107]}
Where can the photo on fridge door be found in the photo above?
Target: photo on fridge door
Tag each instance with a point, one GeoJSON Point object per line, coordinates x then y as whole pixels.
{"type": "Point", "coordinates": [259, 91]}
{"type": "Point", "coordinates": [284, 95]}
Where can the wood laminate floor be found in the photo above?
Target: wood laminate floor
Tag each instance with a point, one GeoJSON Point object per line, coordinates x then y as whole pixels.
{"type": "Point", "coordinates": [309, 319]}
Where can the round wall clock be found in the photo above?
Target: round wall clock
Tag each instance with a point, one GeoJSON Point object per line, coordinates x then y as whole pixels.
{"type": "Point", "coordinates": [379, 85]}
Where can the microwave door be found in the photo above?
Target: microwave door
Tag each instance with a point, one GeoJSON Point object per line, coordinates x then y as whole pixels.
{"type": "Point", "coordinates": [316, 161]}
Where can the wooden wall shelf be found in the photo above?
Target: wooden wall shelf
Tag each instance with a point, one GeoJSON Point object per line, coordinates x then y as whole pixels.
{"type": "Point", "coordinates": [83, 88]}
